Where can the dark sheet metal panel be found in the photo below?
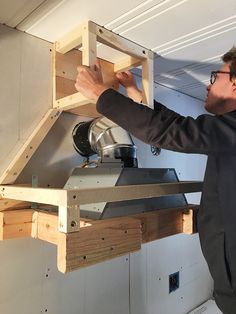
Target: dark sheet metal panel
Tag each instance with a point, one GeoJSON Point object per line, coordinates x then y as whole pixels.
{"type": "Point", "coordinates": [127, 176]}
{"type": "Point", "coordinates": [132, 176]}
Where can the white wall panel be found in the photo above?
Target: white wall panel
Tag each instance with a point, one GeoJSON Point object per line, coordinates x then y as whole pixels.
{"type": "Point", "coordinates": [35, 82]}
{"type": "Point", "coordinates": [138, 281]}
{"type": "Point", "coordinates": [165, 258]}
{"type": "Point", "coordinates": [9, 92]}
{"type": "Point", "coordinates": [14, 11]}
{"type": "Point", "coordinates": [21, 276]}
{"type": "Point", "coordinates": [26, 89]}
{"type": "Point", "coordinates": [107, 287]}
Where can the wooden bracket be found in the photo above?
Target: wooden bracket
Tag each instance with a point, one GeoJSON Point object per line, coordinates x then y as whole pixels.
{"type": "Point", "coordinates": [83, 242]}
{"type": "Point", "coordinates": [96, 241]}
{"type": "Point", "coordinates": [86, 36]}
{"type": "Point", "coordinates": [68, 201]}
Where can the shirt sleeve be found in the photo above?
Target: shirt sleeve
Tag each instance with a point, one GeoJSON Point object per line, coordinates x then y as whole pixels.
{"type": "Point", "coordinates": [167, 129]}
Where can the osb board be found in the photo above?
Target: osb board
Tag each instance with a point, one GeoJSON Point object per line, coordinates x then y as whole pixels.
{"type": "Point", "coordinates": [25, 89]}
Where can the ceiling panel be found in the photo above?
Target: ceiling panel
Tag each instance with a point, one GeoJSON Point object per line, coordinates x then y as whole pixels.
{"type": "Point", "coordinates": [189, 67]}
{"type": "Point", "coordinates": [177, 21]}
{"type": "Point", "coordinates": [69, 14]}
{"type": "Point", "coordinates": [14, 11]}
{"type": "Point", "coordinates": [189, 36]}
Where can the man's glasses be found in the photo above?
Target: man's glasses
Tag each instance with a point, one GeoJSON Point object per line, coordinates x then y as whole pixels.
{"type": "Point", "coordinates": [214, 75]}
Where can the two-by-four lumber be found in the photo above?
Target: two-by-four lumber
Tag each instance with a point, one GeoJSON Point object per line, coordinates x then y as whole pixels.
{"type": "Point", "coordinates": [166, 222]}
{"type": "Point", "coordinates": [74, 39]}
{"type": "Point", "coordinates": [63, 197]}
{"type": "Point", "coordinates": [65, 95]}
{"type": "Point", "coordinates": [16, 224]}
{"type": "Point", "coordinates": [87, 35]}
{"type": "Point", "coordinates": [99, 240]}
{"type": "Point", "coordinates": [69, 201]}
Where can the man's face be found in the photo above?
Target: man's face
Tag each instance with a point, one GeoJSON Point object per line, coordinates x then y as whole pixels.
{"type": "Point", "coordinates": [221, 96]}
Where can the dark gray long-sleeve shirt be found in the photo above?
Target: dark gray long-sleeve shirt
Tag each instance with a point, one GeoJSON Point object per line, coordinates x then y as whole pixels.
{"type": "Point", "coordinates": [214, 136]}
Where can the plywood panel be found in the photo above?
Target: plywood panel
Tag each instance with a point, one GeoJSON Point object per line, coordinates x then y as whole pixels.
{"type": "Point", "coordinates": [9, 92]}
{"type": "Point", "coordinates": [35, 83]}
{"type": "Point", "coordinates": [55, 155]}
{"type": "Point", "coordinates": [13, 12]}
{"type": "Point", "coordinates": [26, 90]}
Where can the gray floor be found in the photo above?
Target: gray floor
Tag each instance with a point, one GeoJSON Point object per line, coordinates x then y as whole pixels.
{"type": "Point", "coordinates": [209, 307]}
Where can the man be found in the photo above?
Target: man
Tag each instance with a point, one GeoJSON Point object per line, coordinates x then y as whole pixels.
{"type": "Point", "coordinates": [212, 135]}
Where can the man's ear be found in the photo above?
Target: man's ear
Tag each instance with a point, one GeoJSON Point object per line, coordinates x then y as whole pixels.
{"type": "Point", "coordinates": [234, 84]}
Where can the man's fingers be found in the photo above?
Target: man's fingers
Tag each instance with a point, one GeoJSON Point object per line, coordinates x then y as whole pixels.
{"type": "Point", "coordinates": [119, 75]}
{"type": "Point", "coordinates": [98, 64]}
{"type": "Point", "coordinates": [125, 75]}
{"type": "Point", "coordinates": [82, 68]}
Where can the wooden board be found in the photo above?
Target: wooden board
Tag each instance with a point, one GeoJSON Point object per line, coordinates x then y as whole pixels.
{"type": "Point", "coordinates": [88, 35]}
{"type": "Point", "coordinates": [100, 240]}
{"type": "Point", "coordinates": [98, 243]}
{"type": "Point", "coordinates": [65, 94]}
{"type": "Point", "coordinates": [16, 224]}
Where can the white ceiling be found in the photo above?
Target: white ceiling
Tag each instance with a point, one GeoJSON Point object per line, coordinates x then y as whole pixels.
{"type": "Point", "coordinates": [189, 36]}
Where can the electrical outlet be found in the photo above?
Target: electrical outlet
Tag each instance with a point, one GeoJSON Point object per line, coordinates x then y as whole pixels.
{"type": "Point", "coordinates": [173, 282]}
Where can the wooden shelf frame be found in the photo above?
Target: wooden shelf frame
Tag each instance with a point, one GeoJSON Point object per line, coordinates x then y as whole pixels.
{"type": "Point", "coordinates": [97, 241]}
{"type": "Point", "coordinates": [68, 201]}
{"type": "Point", "coordinates": [86, 37]}
{"type": "Point", "coordinates": [83, 242]}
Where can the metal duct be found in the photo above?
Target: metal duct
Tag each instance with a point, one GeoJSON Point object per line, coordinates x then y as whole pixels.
{"type": "Point", "coordinates": [105, 138]}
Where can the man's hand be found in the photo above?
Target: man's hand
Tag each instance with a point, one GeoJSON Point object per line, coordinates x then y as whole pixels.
{"type": "Point", "coordinates": [89, 81]}
{"type": "Point", "coordinates": [127, 80]}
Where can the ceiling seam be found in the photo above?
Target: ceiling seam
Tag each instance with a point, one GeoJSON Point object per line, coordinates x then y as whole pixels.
{"type": "Point", "coordinates": [196, 37]}
{"type": "Point", "coordinates": [197, 31]}
{"type": "Point", "coordinates": [195, 42]}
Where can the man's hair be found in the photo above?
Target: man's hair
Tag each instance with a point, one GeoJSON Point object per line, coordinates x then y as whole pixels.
{"type": "Point", "coordinates": [230, 57]}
